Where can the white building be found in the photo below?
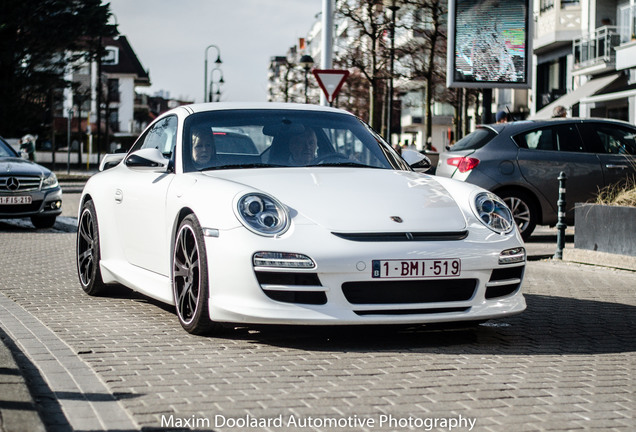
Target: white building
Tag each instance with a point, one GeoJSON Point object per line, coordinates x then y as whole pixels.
{"type": "Point", "coordinates": [122, 73]}
{"type": "Point", "coordinates": [585, 53]}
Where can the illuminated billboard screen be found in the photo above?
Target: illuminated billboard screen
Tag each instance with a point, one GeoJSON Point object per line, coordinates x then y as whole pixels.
{"type": "Point", "coordinates": [489, 43]}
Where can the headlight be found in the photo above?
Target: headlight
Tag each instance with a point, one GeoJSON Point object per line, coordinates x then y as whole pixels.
{"type": "Point", "coordinates": [49, 182]}
{"type": "Point", "coordinates": [492, 212]}
{"type": "Point", "coordinates": [262, 214]}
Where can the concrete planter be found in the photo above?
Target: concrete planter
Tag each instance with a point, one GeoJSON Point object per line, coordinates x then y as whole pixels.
{"type": "Point", "coordinates": [604, 228]}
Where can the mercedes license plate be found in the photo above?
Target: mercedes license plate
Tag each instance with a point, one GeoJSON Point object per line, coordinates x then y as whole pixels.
{"type": "Point", "coordinates": [15, 200]}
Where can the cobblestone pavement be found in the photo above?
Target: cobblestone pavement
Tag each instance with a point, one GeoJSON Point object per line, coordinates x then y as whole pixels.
{"type": "Point", "coordinates": [567, 363]}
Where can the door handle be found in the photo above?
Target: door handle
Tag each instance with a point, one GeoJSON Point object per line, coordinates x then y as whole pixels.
{"type": "Point", "coordinates": [119, 195]}
{"type": "Point", "coordinates": [615, 166]}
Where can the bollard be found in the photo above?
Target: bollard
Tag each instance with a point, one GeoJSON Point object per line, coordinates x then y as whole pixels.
{"type": "Point", "coordinates": [561, 225]}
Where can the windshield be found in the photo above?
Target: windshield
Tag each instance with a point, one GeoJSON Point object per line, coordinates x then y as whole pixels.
{"type": "Point", "coordinates": [282, 138]}
{"type": "Point", "coordinates": [6, 150]}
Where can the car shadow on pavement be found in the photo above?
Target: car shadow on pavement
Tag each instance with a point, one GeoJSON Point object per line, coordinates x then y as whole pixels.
{"type": "Point", "coordinates": [25, 226]}
{"type": "Point", "coordinates": [550, 326]}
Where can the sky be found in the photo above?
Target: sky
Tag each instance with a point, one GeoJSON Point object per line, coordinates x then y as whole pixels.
{"type": "Point", "coordinates": [170, 37]}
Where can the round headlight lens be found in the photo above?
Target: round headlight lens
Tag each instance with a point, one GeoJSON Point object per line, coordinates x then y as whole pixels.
{"type": "Point", "coordinates": [262, 214]}
{"type": "Point", "coordinates": [493, 212]}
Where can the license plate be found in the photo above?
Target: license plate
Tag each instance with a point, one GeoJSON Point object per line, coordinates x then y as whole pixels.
{"type": "Point", "coordinates": [13, 200]}
{"type": "Point", "coordinates": [427, 268]}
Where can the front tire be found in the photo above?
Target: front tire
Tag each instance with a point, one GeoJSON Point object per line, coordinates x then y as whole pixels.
{"type": "Point", "coordinates": [43, 221]}
{"type": "Point", "coordinates": [87, 251]}
{"type": "Point", "coordinates": [523, 211]}
{"type": "Point", "coordinates": [190, 278]}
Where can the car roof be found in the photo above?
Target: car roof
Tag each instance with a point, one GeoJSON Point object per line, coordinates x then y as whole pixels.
{"type": "Point", "coordinates": [521, 125]}
{"type": "Point", "coordinates": [213, 106]}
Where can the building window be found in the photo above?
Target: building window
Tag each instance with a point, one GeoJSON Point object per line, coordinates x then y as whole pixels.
{"type": "Point", "coordinates": [113, 90]}
{"type": "Point", "coordinates": [111, 56]}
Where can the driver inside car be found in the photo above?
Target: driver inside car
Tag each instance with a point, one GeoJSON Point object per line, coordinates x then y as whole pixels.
{"type": "Point", "coordinates": [202, 148]}
{"type": "Point", "coordinates": [302, 148]}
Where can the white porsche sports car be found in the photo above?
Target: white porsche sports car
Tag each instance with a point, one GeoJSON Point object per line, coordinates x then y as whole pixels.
{"type": "Point", "coordinates": [293, 214]}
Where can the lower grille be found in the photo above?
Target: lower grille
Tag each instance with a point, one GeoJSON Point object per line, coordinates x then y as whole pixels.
{"type": "Point", "coordinates": [504, 281]}
{"type": "Point", "coordinates": [300, 297]}
{"type": "Point", "coordinates": [417, 291]}
{"type": "Point", "coordinates": [16, 209]}
{"type": "Point", "coordinates": [412, 311]}
{"type": "Point", "coordinates": [279, 286]}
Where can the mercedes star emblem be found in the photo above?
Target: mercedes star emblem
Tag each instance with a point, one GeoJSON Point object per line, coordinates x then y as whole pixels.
{"type": "Point", "coordinates": [13, 183]}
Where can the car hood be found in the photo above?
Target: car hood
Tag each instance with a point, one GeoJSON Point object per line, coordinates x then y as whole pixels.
{"type": "Point", "coordinates": [358, 200]}
{"type": "Point", "coordinates": [18, 166]}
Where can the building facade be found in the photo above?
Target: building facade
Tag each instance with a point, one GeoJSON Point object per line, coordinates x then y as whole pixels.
{"type": "Point", "coordinates": [585, 58]}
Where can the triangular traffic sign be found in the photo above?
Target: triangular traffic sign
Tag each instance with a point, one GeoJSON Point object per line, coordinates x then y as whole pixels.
{"type": "Point", "coordinates": [330, 81]}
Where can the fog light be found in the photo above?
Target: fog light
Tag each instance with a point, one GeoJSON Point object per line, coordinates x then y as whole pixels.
{"type": "Point", "coordinates": [282, 259]}
{"type": "Point", "coordinates": [54, 205]}
{"type": "Point", "coordinates": [512, 256]}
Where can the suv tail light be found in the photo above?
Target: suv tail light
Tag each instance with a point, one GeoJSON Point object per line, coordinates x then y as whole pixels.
{"type": "Point", "coordinates": [463, 164]}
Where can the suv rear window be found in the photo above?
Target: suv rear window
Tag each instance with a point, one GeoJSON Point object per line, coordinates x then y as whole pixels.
{"type": "Point", "coordinates": [474, 140]}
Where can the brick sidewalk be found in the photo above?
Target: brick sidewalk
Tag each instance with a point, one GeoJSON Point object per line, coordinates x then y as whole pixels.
{"type": "Point", "coordinates": [566, 363]}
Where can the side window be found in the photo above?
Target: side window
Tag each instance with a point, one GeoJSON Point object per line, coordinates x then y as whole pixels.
{"type": "Point", "coordinates": [567, 138]}
{"type": "Point", "coordinates": [615, 139]}
{"type": "Point", "coordinates": [556, 138]}
{"type": "Point", "coordinates": [536, 140]}
{"type": "Point", "coordinates": [162, 136]}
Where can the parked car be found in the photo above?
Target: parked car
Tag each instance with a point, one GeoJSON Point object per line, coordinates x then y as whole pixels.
{"type": "Point", "coordinates": [350, 236]}
{"type": "Point", "coordinates": [27, 189]}
{"type": "Point", "coordinates": [521, 161]}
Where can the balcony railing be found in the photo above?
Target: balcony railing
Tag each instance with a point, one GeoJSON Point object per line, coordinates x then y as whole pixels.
{"type": "Point", "coordinates": [596, 48]}
{"type": "Point", "coordinates": [546, 5]}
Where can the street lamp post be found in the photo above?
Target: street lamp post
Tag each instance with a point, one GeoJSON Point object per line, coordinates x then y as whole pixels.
{"type": "Point", "coordinates": [212, 82]}
{"type": "Point", "coordinates": [218, 61]}
{"type": "Point", "coordinates": [392, 5]}
{"type": "Point", "coordinates": [306, 61]}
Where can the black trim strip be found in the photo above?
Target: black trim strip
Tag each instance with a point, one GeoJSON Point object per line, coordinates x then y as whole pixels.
{"type": "Point", "coordinates": [412, 311]}
{"type": "Point", "coordinates": [403, 236]}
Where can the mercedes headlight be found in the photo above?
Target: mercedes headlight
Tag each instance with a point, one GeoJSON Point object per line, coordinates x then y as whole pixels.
{"type": "Point", "coordinates": [262, 214]}
{"type": "Point", "coordinates": [493, 212]}
{"type": "Point", "coordinates": [49, 181]}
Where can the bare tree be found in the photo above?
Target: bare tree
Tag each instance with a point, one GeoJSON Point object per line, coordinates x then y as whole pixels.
{"type": "Point", "coordinates": [287, 77]}
{"type": "Point", "coordinates": [423, 56]}
{"type": "Point", "coordinates": [365, 50]}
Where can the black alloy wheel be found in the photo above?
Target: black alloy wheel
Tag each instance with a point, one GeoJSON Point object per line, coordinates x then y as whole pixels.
{"type": "Point", "coordinates": [190, 278]}
{"type": "Point", "coordinates": [87, 251]}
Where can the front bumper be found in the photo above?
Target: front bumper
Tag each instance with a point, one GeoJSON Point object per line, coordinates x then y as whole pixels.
{"type": "Point", "coordinates": [46, 202]}
{"type": "Point", "coordinates": [237, 296]}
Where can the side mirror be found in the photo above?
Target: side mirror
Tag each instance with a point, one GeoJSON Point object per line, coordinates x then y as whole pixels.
{"type": "Point", "coordinates": [149, 159]}
{"type": "Point", "coordinates": [417, 160]}
{"type": "Point", "coordinates": [111, 160]}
